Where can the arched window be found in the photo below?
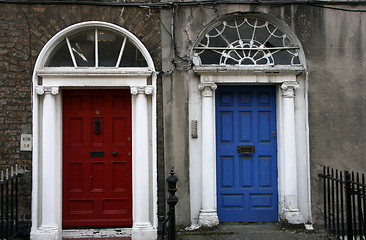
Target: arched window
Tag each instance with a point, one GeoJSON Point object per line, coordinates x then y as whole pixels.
{"type": "Point", "coordinates": [96, 47]}
{"type": "Point", "coordinates": [246, 41]}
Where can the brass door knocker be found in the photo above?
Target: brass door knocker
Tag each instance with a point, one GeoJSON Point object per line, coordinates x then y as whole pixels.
{"type": "Point", "coordinates": [97, 129]}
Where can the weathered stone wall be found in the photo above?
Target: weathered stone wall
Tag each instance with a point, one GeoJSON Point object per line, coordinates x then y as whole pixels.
{"type": "Point", "coordinates": [334, 42]}
{"type": "Point", "coordinates": [24, 30]}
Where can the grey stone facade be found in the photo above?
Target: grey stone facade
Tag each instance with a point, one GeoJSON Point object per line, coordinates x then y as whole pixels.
{"type": "Point", "coordinates": [333, 42]}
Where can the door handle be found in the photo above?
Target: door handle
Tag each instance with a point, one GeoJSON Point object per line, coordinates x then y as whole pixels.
{"type": "Point", "coordinates": [115, 153]}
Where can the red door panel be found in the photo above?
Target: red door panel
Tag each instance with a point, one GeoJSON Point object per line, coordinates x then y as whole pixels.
{"type": "Point", "coordinates": [97, 161]}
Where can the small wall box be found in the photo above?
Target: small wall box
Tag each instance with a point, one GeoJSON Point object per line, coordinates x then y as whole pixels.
{"type": "Point", "coordinates": [26, 142]}
{"type": "Point", "coordinates": [194, 130]}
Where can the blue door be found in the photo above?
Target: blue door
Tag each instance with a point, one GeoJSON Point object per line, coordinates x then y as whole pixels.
{"type": "Point", "coordinates": [246, 158]}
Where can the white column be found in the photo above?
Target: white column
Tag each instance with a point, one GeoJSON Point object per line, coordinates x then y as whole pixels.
{"type": "Point", "coordinates": [208, 214]}
{"type": "Point", "coordinates": [291, 208]}
{"type": "Point", "coordinates": [49, 225]}
{"type": "Point", "coordinates": [141, 217]}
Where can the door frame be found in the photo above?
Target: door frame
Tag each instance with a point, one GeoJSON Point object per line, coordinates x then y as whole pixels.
{"type": "Point", "coordinates": [99, 194]}
{"type": "Point", "coordinates": [292, 141]}
{"type": "Point", "coordinates": [228, 214]}
{"type": "Point", "coordinates": [47, 135]}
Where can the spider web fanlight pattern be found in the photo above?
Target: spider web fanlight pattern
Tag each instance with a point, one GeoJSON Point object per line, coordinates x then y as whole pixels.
{"type": "Point", "coordinates": [247, 41]}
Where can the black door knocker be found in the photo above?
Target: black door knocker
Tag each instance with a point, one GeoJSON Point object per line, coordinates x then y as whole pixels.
{"type": "Point", "coordinates": [97, 129]}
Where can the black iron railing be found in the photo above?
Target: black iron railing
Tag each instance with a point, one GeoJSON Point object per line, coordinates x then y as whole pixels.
{"type": "Point", "coordinates": [172, 201]}
{"type": "Point", "coordinates": [344, 203]}
{"type": "Point", "coordinates": [9, 214]}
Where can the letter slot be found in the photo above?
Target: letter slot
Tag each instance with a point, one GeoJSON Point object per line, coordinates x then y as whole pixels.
{"type": "Point", "coordinates": [246, 149]}
{"type": "Point", "coordinates": [96, 154]}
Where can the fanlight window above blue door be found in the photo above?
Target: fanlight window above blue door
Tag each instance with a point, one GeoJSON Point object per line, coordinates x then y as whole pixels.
{"type": "Point", "coordinates": [246, 41]}
{"type": "Point", "coordinates": [96, 47]}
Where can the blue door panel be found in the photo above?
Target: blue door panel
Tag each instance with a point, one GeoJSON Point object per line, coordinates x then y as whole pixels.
{"type": "Point", "coordinates": [246, 172]}
{"type": "Point", "coordinates": [246, 183]}
{"type": "Point", "coordinates": [226, 119]}
{"type": "Point", "coordinates": [245, 127]}
{"type": "Point", "coordinates": [228, 180]}
{"type": "Point", "coordinates": [264, 125]}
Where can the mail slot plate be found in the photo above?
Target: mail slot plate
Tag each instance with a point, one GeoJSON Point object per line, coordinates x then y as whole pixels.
{"type": "Point", "coordinates": [246, 149]}
{"type": "Point", "coordinates": [96, 154]}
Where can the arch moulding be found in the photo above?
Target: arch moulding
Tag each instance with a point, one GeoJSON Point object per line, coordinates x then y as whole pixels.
{"type": "Point", "coordinates": [48, 83]}
{"type": "Point", "coordinates": [290, 79]}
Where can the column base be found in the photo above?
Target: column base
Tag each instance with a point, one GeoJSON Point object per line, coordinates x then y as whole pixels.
{"type": "Point", "coordinates": [208, 218]}
{"type": "Point", "coordinates": [142, 226]}
{"type": "Point", "coordinates": [46, 233]}
{"type": "Point", "coordinates": [293, 216]}
{"type": "Point", "coordinates": [144, 231]}
{"type": "Point", "coordinates": [290, 210]}
{"type": "Point", "coordinates": [193, 227]}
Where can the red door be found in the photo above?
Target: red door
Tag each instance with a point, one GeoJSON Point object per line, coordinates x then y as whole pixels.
{"type": "Point", "coordinates": [97, 161]}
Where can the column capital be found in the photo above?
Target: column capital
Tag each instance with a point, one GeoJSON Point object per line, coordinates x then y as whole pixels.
{"type": "Point", "coordinates": [288, 89]}
{"type": "Point", "coordinates": [207, 89]}
{"type": "Point", "coordinates": [148, 90]}
{"type": "Point", "coordinates": [47, 89]}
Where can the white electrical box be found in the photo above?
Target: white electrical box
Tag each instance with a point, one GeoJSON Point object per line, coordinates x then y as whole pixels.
{"type": "Point", "coordinates": [26, 142]}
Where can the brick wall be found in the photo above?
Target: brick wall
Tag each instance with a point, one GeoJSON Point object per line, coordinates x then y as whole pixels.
{"type": "Point", "coordinates": [24, 30]}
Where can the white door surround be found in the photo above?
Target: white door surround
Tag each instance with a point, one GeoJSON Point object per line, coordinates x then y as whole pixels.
{"type": "Point", "coordinates": [48, 84]}
{"type": "Point", "coordinates": [289, 124]}
{"type": "Point", "coordinates": [250, 49]}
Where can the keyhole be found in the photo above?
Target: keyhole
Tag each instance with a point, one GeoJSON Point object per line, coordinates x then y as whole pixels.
{"type": "Point", "coordinates": [97, 129]}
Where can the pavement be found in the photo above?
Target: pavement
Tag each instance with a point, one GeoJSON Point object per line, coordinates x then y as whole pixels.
{"type": "Point", "coordinates": [253, 231]}
{"type": "Point", "coordinates": [238, 231]}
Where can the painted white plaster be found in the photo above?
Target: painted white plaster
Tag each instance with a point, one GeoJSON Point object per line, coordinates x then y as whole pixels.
{"type": "Point", "coordinates": [195, 103]}
{"type": "Point", "coordinates": [141, 218]}
{"type": "Point", "coordinates": [49, 146]}
{"type": "Point", "coordinates": [257, 75]}
{"type": "Point", "coordinates": [302, 146]}
{"type": "Point", "coordinates": [288, 140]}
{"type": "Point", "coordinates": [290, 209]}
{"type": "Point", "coordinates": [208, 212]}
{"type": "Point", "coordinates": [47, 132]}
{"type": "Point", "coordinates": [94, 81]}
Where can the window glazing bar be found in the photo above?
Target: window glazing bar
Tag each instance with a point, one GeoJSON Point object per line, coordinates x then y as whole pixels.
{"type": "Point", "coordinates": [121, 52]}
{"type": "Point", "coordinates": [96, 48]}
{"type": "Point", "coordinates": [71, 52]}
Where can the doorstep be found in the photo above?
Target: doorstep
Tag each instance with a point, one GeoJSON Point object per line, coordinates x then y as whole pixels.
{"type": "Point", "coordinates": [109, 233]}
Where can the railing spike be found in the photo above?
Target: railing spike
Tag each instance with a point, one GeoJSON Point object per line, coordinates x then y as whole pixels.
{"type": "Point", "coordinates": [9, 202]}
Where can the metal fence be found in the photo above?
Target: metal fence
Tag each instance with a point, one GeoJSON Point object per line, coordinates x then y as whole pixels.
{"type": "Point", "coordinates": [9, 214]}
{"type": "Point", "coordinates": [172, 201]}
{"type": "Point", "coordinates": [344, 203]}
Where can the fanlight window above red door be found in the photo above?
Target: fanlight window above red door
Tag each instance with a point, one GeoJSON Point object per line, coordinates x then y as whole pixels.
{"type": "Point", "coordinates": [96, 47]}
{"type": "Point", "coordinates": [246, 41]}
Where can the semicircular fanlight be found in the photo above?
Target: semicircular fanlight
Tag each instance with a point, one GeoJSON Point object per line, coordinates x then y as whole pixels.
{"type": "Point", "coordinates": [247, 41]}
{"type": "Point", "coordinates": [97, 47]}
